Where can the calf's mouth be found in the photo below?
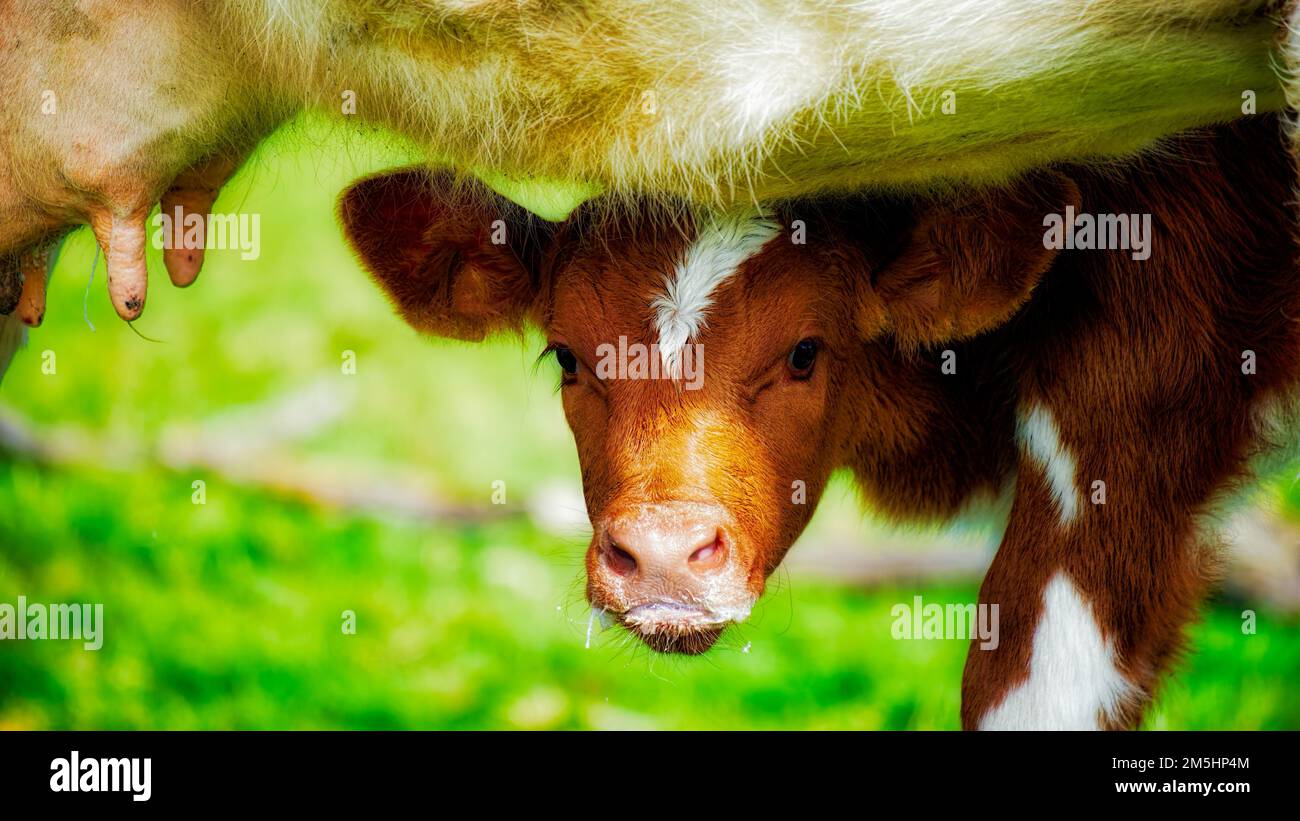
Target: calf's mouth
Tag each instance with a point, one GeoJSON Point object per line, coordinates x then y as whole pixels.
{"type": "Point", "coordinates": [678, 627]}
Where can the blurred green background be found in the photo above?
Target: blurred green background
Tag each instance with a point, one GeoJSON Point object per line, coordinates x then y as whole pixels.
{"type": "Point", "coordinates": [371, 492]}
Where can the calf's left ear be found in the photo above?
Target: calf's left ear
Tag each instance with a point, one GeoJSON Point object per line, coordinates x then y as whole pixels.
{"type": "Point", "coordinates": [968, 263]}
{"type": "Point", "coordinates": [456, 259]}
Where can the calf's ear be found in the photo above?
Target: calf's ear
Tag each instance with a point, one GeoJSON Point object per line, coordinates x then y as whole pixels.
{"type": "Point", "coordinates": [967, 264]}
{"type": "Point", "coordinates": [456, 259]}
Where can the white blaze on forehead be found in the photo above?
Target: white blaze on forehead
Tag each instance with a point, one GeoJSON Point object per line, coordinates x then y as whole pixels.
{"type": "Point", "coordinates": [1073, 678]}
{"type": "Point", "coordinates": [721, 246]}
{"type": "Point", "coordinates": [1041, 441]}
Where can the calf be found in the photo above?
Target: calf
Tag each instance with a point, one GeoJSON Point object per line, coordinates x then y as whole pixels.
{"type": "Point", "coordinates": [940, 349]}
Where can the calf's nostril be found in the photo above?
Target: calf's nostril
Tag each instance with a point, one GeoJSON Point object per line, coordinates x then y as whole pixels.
{"type": "Point", "coordinates": [708, 556]}
{"type": "Point", "coordinates": [618, 560]}
{"type": "Point", "coordinates": [704, 552]}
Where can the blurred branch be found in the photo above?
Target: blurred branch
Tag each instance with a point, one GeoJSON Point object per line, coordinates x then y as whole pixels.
{"type": "Point", "coordinates": [1265, 559]}
{"type": "Point", "coordinates": [892, 560]}
{"type": "Point", "coordinates": [246, 446]}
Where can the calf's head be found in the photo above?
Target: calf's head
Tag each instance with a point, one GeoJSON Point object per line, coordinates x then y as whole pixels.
{"type": "Point", "coordinates": [715, 368]}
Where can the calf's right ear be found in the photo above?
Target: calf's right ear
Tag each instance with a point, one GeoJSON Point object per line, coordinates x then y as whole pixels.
{"type": "Point", "coordinates": [456, 259]}
{"type": "Point", "coordinates": [968, 263]}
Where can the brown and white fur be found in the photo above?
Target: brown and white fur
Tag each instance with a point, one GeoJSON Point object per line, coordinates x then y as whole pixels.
{"type": "Point", "coordinates": [1072, 367]}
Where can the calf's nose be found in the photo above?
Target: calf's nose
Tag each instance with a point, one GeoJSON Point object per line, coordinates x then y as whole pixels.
{"type": "Point", "coordinates": [667, 547]}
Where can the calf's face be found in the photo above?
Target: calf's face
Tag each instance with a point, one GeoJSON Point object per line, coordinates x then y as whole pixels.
{"type": "Point", "coordinates": [714, 368]}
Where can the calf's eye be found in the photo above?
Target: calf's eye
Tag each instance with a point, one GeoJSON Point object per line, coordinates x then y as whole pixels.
{"type": "Point", "coordinates": [568, 362]}
{"type": "Point", "coordinates": [801, 359]}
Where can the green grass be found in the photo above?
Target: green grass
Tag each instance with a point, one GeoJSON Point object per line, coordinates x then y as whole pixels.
{"type": "Point", "coordinates": [228, 614]}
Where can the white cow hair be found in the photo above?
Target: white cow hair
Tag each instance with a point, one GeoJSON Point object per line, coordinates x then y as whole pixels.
{"type": "Point", "coordinates": [722, 244]}
{"type": "Point", "coordinates": [1073, 677]}
{"type": "Point", "coordinates": [747, 101]}
{"type": "Point", "coordinates": [1040, 439]}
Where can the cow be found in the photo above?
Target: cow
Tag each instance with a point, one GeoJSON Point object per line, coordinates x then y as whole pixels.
{"type": "Point", "coordinates": [1108, 351]}
{"type": "Point", "coordinates": [112, 108]}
